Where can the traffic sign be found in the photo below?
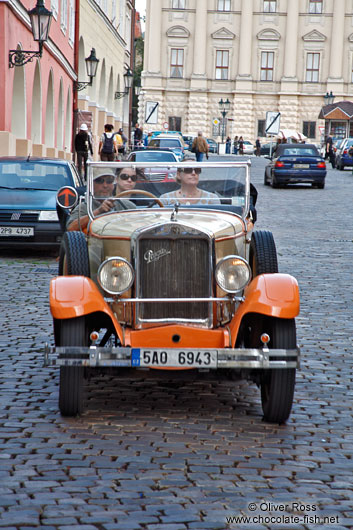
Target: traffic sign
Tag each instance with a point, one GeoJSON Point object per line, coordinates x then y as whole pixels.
{"type": "Point", "coordinates": [215, 121]}
{"type": "Point", "coordinates": [272, 122]}
{"type": "Point", "coordinates": [151, 115]}
{"type": "Point", "coordinates": [165, 125]}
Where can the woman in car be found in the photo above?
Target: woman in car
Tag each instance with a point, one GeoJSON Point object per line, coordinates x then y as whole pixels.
{"type": "Point", "coordinates": [189, 193]}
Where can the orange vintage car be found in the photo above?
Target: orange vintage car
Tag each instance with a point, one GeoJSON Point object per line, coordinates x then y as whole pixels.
{"type": "Point", "coordinates": [177, 286]}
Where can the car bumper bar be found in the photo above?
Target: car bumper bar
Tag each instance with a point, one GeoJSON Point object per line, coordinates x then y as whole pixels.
{"type": "Point", "coordinates": [237, 358]}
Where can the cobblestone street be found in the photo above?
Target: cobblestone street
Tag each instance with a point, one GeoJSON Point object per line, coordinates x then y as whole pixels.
{"type": "Point", "coordinates": [149, 455]}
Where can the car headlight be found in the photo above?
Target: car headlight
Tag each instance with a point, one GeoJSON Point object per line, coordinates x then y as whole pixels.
{"type": "Point", "coordinates": [232, 274]}
{"type": "Point", "coordinates": [48, 215]}
{"type": "Point", "coordinates": [115, 275]}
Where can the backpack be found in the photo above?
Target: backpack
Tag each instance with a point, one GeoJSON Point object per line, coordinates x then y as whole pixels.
{"type": "Point", "coordinates": [108, 144]}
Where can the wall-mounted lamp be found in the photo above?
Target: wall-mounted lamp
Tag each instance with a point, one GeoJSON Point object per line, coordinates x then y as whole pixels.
{"type": "Point", "coordinates": [40, 21]}
{"type": "Point", "coordinates": [224, 107]}
{"type": "Point", "coordinates": [137, 90]}
{"type": "Point", "coordinates": [329, 98]}
{"type": "Point", "coordinates": [128, 78]}
{"type": "Point", "coordinates": [91, 69]}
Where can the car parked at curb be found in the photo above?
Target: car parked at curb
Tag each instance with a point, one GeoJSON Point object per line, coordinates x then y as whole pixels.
{"type": "Point", "coordinates": [296, 164]}
{"type": "Point", "coordinates": [343, 156]}
{"type": "Point", "coordinates": [28, 189]}
{"type": "Point", "coordinates": [212, 145]}
{"type": "Point", "coordinates": [185, 289]}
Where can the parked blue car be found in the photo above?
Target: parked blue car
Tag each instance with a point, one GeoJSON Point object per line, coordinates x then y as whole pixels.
{"type": "Point", "coordinates": [28, 189]}
{"type": "Point", "coordinates": [296, 164]}
{"type": "Point", "coordinates": [343, 158]}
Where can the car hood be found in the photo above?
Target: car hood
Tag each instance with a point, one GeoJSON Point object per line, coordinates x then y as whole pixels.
{"type": "Point", "coordinates": [27, 199]}
{"type": "Point", "coordinates": [124, 224]}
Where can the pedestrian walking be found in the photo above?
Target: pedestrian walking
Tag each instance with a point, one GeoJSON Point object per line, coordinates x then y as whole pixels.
{"type": "Point", "coordinates": [138, 135]}
{"type": "Point", "coordinates": [122, 150]}
{"type": "Point", "coordinates": [199, 147]}
{"type": "Point", "coordinates": [228, 144]}
{"type": "Point", "coordinates": [83, 147]}
{"type": "Point", "coordinates": [241, 145]}
{"type": "Point", "coordinates": [329, 153]}
{"type": "Point", "coordinates": [235, 145]}
{"type": "Point", "coordinates": [107, 145]}
{"type": "Point", "coordinates": [119, 146]}
{"type": "Point", "coordinates": [258, 147]}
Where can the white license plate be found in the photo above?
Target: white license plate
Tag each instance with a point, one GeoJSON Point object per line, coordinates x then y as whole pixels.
{"type": "Point", "coordinates": [301, 166]}
{"type": "Point", "coordinates": [175, 358]}
{"type": "Point", "coordinates": [23, 231]}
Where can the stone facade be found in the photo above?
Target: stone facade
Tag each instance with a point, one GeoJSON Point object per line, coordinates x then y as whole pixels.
{"type": "Point", "coordinates": [282, 56]}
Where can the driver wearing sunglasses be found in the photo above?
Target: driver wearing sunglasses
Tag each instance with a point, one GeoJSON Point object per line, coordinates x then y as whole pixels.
{"type": "Point", "coordinates": [103, 189]}
{"type": "Point", "coordinates": [189, 193]}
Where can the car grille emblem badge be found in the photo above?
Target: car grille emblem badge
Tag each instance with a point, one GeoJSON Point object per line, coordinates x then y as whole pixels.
{"type": "Point", "coordinates": [15, 216]}
{"type": "Point", "coordinates": [151, 256]}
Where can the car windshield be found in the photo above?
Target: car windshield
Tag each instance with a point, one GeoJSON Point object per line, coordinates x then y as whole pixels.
{"type": "Point", "coordinates": [33, 175]}
{"type": "Point", "coordinates": [297, 151]}
{"type": "Point", "coordinates": [223, 186]}
{"type": "Point", "coordinates": [153, 156]}
{"type": "Point", "coordinates": [165, 142]}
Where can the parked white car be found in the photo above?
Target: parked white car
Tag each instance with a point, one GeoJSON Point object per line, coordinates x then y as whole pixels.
{"type": "Point", "coordinates": [248, 148]}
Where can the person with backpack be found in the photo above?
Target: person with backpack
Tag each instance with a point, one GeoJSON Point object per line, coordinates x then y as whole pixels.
{"type": "Point", "coordinates": [83, 147]}
{"type": "Point", "coordinates": [107, 145]}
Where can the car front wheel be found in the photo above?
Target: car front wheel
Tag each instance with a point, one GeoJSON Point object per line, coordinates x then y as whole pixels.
{"type": "Point", "coordinates": [277, 385]}
{"type": "Point", "coordinates": [73, 332]}
{"type": "Point", "coordinates": [73, 259]}
{"type": "Point", "coordinates": [263, 254]}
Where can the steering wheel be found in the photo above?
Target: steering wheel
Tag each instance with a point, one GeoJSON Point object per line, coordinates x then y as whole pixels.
{"type": "Point", "coordinates": [140, 192]}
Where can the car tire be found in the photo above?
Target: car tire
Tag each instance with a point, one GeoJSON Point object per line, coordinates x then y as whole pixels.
{"type": "Point", "coordinates": [73, 332]}
{"type": "Point", "coordinates": [277, 385]}
{"type": "Point", "coordinates": [340, 167]}
{"type": "Point", "coordinates": [263, 253]}
{"type": "Point", "coordinates": [73, 257]}
{"type": "Point", "coordinates": [274, 182]}
{"type": "Point", "coordinates": [266, 182]}
{"type": "Point", "coordinates": [320, 185]}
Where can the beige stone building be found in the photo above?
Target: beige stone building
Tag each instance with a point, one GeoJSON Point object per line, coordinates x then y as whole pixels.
{"type": "Point", "coordinates": [263, 55]}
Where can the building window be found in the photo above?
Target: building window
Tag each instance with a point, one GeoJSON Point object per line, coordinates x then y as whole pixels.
{"type": "Point", "coordinates": [223, 5]}
{"type": "Point", "coordinates": [222, 64]}
{"type": "Point", "coordinates": [178, 4]}
{"type": "Point", "coordinates": [309, 129]}
{"type": "Point", "coordinates": [63, 21]}
{"type": "Point", "coordinates": [270, 6]}
{"type": "Point", "coordinates": [315, 6]}
{"type": "Point", "coordinates": [54, 7]}
{"type": "Point", "coordinates": [312, 68]}
{"type": "Point", "coordinates": [174, 123]}
{"type": "Point", "coordinates": [261, 125]}
{"type": "Point", "coordinates": [267, 66]}
{"type": "Point", "coordinates": [176, 62]}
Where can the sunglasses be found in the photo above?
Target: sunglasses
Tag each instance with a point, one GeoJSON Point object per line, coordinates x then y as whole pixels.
{"type": "Point", "coordinates": [189, 170]}
{"type": "Point", "coordinates": [125, 176]}
{"type": "Point", "coordinates": [107, 180]}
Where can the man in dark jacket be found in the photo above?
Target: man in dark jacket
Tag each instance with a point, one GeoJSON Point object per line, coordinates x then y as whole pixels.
{"type": "Point", "coordinates": [138, 134]}
{"type": "Point", "coordinates": [83, 146]}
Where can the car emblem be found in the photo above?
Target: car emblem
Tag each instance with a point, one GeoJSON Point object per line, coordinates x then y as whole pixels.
{"type": "Point", "coordinates": [151, 256]}
{"type": "Point", "coordinates": [15, 216]}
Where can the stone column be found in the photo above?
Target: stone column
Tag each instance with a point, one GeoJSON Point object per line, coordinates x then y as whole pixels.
{"type": "Point", "coordinates": [290, 51]}
{"type": "Point", "coordinates": [154, 12]}
{"type": "Point", "coordinates": [245, 42]}
{"type": "Point", "coordinates": [337, 36]}
{"type": "Point", "coordinates": [200, 39]}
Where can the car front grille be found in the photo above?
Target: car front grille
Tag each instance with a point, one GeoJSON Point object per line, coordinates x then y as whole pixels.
{"type": "Point", "coordinates": [175, 264]}
{"type": "Point", "coordinates": [11, 216]}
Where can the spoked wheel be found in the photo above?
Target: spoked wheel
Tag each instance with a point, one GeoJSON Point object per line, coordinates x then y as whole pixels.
{"type": "Point", "coordinates": [73, 258]}
{"type": "Point", "coordinates": [263, 254]}
{"type": "Point", "coordinates": [277, 385]}
{"type": "Point", "coordinates": [73, 332]}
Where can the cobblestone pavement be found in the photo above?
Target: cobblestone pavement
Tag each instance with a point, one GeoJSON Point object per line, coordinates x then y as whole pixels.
{"type": "Point", "coordinates": [147, 455]}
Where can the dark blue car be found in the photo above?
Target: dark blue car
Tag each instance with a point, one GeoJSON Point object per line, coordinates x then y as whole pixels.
{"type": "Point", "coordinates": [28, 189]}
{"type": "Point", "coordinates": [296, 164]}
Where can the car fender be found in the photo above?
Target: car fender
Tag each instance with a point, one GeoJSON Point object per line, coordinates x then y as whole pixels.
{"type": "Point", "coordinates": [76, 296]}
{"type": "Point", "coordinates": [275, 295]}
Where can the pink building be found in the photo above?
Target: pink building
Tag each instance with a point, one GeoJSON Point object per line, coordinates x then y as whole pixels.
{"type": "Point", "coordinates": [36, 100]}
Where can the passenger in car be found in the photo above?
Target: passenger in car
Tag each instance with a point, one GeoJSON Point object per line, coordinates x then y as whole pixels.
{"type": "Point", "coordinates": [189, 193]}
{"type": "Point", "coordinates": [103, 189]}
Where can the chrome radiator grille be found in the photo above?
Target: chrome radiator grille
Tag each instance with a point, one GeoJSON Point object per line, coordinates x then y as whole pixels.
{"type": "Point", "coordinates": [174, 267]}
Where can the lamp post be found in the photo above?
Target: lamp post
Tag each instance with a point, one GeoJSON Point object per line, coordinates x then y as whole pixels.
{"type": "Point", "coordinates": [40, 21]}
{"type": "Point", "coordinates": [128, 78]}
{"type": "Point", "coordinates": [329, 98]}
{"type": "Point", "coordinates": [224, 107]}
{"type": "Point", "coordinates": [91, 69]}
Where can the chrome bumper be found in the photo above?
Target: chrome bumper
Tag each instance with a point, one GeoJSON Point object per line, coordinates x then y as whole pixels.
{"type": "Point", "coordinates": [237, 358]}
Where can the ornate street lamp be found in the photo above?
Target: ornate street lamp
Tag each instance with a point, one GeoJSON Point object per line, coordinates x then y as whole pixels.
{"type": "Point", "coordinates": [40, 21]}
{"type": "Point", "coordinates": [224, 107]}
{"type": "Point", "coordinates": [329, 98]}
{"type": "Point", "coordinates": [128, 78]}
{"type": "Point", "coordinates": [91, 69]}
